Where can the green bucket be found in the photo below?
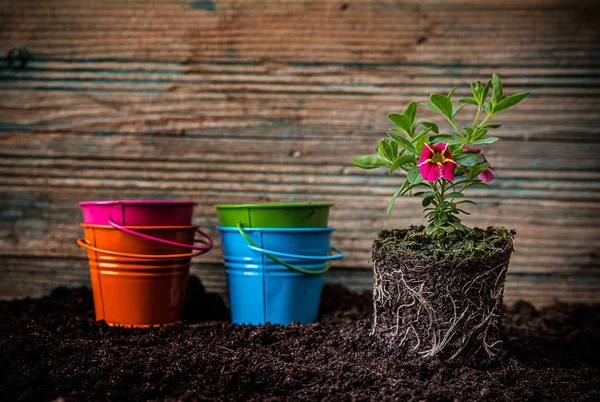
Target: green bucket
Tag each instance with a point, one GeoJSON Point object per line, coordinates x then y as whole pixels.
{"type": "Point", "coordinates": [275, 215]}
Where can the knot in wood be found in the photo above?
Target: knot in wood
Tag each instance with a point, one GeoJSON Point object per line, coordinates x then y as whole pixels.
{"type": "Point", "coordinates": [18, 57]}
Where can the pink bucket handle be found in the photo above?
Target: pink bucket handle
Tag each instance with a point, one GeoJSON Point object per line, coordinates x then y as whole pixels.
{"type": "Point", "coordinates": [156, 239]}
{"type": "Point", "coordinates": [86, 244]}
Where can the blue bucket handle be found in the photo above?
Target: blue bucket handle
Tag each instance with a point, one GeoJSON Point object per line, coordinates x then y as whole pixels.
{"type": "Point", "coordinates": [272, 254]}
{"type": "Point", "coordinates": [302, 257]}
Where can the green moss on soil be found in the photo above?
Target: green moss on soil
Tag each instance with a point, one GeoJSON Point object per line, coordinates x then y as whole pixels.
{"type": "Point", "coordinates": [475, 243]}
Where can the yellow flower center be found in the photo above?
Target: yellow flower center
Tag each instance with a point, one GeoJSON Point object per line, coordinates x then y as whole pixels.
{"type": "Point", "coordinates": [438, 159]}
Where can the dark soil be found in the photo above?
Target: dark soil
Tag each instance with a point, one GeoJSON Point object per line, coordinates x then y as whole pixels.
{"type": "Point", "coordinates": [441, 297]}
{"type": "Point", "coordinates": [52, 348]}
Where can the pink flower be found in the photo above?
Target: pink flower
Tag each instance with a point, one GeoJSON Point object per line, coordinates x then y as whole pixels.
{"type": "Point", "coordinates": [436, 162]}
{"type": "Point", "coordinates": [487, 174]}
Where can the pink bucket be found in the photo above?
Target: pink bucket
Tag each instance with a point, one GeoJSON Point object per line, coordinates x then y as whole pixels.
{"type": "Point", "coordinates": [138, 212]}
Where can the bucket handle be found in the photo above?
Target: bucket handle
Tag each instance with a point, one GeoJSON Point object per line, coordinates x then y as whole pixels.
{"type": "Point", "coordinates": [302, 257]}
{"type": "Point", "coordinates": [85, 244]}
{"type": "Point", "coordinates": [272, 254]}
{"type": "Point", "coordinates": [159, 240]}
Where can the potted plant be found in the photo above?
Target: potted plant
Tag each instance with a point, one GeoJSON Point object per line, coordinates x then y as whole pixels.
{"type": "Point", "coordinates": [438, 289]}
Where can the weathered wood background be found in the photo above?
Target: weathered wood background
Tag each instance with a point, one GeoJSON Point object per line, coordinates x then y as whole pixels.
{"type": "Point", "coordinates": [249, 101]}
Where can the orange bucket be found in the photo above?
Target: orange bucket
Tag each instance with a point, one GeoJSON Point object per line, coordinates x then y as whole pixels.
{"type": "Point", "coordinates": [139, 295]}
{"type": "Point", "coordinates": [138, 282]}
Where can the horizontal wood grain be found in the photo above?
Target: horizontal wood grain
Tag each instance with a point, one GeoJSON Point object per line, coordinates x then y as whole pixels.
{"type": "Point", "coordinates": [258, 101]}
{"type": "Point", "coordinates": [406, 31]}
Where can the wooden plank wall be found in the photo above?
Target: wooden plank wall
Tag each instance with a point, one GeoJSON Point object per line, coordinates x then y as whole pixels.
{"type": "Point", "coordinates": [250, 101]}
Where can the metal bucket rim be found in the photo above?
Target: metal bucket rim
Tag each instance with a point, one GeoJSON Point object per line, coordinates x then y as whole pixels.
{"type": "Point", "coordinates": [274, 230]}
{"type": "Point", "coordinates": [136, 202]}
{"type": "Point", "coordinates": [99, 266]}
{"type": "Point", "coordinates": [104, 259]}
{"type": "Point", "coordinates": [181, 227]}
{"type": "Point", "coordinates": [274, 205]}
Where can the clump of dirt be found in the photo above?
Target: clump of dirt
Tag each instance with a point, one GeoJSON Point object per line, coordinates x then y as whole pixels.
{"type": "Point", "coordinates": [52, 348]}
{"type": "Point", "coordinates": [440, 297]}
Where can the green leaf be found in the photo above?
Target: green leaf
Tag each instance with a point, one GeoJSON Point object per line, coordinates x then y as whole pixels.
{"type": "Point", "coordinates": [401, 160]}
{"type": "Point", "coordinates": [479, 184]}
{"type": "Point", "coordinates": [411, 112]}
{"type": "Point", "coordinates": [442, 103]}
{"type": "Point", "coordinates": [419, 136]}
{"type": "Point", "coordinates": [458, 225]}
{"type": "Point", "coordinates": [436, 139]}
{"type": "Point", "coordinates": [492, 126]}
{"type": "Point", "coordinates": [497, 92]}
{"type": "Point", "coordinates": [468, 159]}
{"type": "Point", "coordinates": [393, 200]}
{"type": "Point", "coordinates": [394, 146]}
{"type": "Point", "coordinates": [414, 175]}
{"type": "Point", "coordinates": [369, 162]}
{"type": "Point", "coordinates": [451, 92]}
{"type": "Point", "coordinates": [455, 194]}
{"type": "Point", "coordinates": [403, 142]}
{"type": "Point", "coordinates": [403, 122]}
{"type": "Point", "coordinates": [426, 201]}
{"type": "Point", "coordinates": [424, 193]}
{"type": "Point", "coordinates": [467, 202]}
{"type": "Point", "coordinates": [468, 130]}
{"type": "Point", "coordinates": [459, 171]}
{"type": "Point", "coordinates": [421, 144]}
{"type": "Point", "coordinates": [475, 170]}
{"type": "Point", "coordinates": [412, 186]}
{"type": "Point", "coordinates": [386, 150]}
{"type": "Point", "coordinates": [457, 109]}
{"type": "Point", "coordinates": [432, 107]}
{"type": "Point", "coordinates": [510, 101]}
{"type": "Point", "coordinates": [448, 229]}
{"type": "Point", "coordinates": [469, 101]}
{"type": "Point", "coordinates": [485, 140]}
{"type": "Point", "coordinates": [480, 132]}
{"type": "Point", "coordinates": [475, 92]}
{"type": "Point", "coordinates": [452, 143]}
{"type": "Point", "coordinates": [488, 107]}
{"type": "Point", "coordinates": [485, 91]}
{"type": "Point", "coordinates": [432, 126]}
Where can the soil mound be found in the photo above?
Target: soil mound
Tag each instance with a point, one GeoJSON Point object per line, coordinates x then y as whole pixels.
{"type": "Point", "coordinates": [52, 348]}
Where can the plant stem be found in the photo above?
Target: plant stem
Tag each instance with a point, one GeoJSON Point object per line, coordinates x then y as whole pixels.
{"type": "Point", "coordinates": [434, 188]}
{"type": "Point", "coordinates": [476, 117]}
{"type": "Point", "coordinates": [456, 128]}
{"type": "Point", "coordinates": [489, 116]}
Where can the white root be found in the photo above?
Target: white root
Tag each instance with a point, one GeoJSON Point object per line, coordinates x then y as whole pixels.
{"type": "Point", "coordinates": [412, 297]}
{"type": "Point", "coordinates": [404, 337]}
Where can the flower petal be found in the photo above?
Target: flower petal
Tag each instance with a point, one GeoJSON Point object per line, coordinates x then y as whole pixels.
{"type": "Point", "coordinates": [448, 170]}
{"type": "Point", "coordinates": [439, 148]}
{"type": "Point", "coordinates": [425, 154]}
{"type": "Point", "coordinates": [486, 175]}
{"type": "Point", "coordinates": [430, 171]}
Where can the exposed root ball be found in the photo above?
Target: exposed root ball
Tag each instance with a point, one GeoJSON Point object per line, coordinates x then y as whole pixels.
{"type": "Point", "coordinates": [443, 299]}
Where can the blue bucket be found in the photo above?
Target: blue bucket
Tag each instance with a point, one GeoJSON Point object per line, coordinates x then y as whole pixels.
{"type": "Point", "coordinates": [276, 274]}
